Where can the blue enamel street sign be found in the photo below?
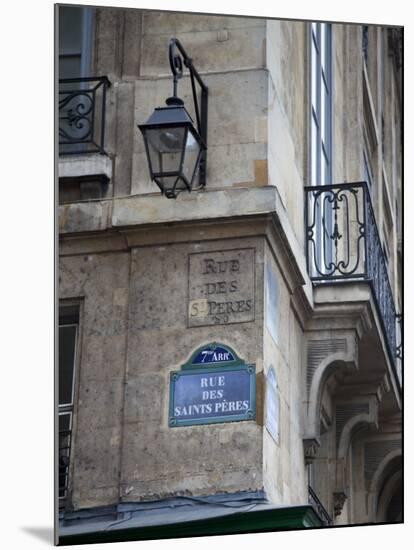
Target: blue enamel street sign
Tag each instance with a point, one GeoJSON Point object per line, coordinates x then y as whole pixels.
{"type": "Point", "coordinates": [213, 354]}
{"type": "Point", "coordinates": [215, 393]}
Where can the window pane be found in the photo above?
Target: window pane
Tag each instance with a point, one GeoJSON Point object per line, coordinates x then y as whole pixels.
{"type": "Point", "coordinates": [325, 167]}
{"type": "Point", "coordinates": [323, 45]}
{"type": "Point", "coordinates": [192, 151]}
{"type": "Point", "coordinates": [166, 147]}
{"type": "Point", "coordinates": [65, 422]}
{"type": "Point", "coordinates": [67, 340]}
{"type": "Point", "coordinates": [367, 170]}
{"type": "Point", "coordinates": [69, 67]}
{"type": "Point", "coordinates": [323, 114]}
{"type": "Point", "coordinates": [314, 157]}
{"type": "Point", "coordinates": [70, 29]}
{"type": "Point", "coordinates": [75, 39]}
{"type": "Point", "coordinates": [314, 77]}
{"type": "Point", "coordinates": [315, 32]}
{"type": "Point", "coordinates": [321, 104]}
{"type": "Point", "coordinates": [325, 81]}
{"type": "Point", "coordinates": [323, 170]}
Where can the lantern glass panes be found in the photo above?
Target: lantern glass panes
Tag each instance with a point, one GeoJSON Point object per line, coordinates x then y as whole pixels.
{"type": "Point", "coordinates": [174, 149]}
{"type": "Point", "coordinates": [165, 148]}
{"type": "Point", "coordinates": [191, 159]}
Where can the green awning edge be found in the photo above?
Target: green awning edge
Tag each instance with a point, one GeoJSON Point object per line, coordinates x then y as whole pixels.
{"type": "Point", "coordinates": [255, 521]}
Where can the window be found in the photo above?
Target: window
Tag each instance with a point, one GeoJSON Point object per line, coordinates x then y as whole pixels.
{"type": "Point", "coordinates": [76, 109]}
{"type": "Point", "coordinates": [321, 104]}
{"type": "Point", "coordinates": [310, 468]}
{"type": "Point", "coordinates": [68, 334]}
{"type": "Point", "coordinates": [365, 43]}
{"type": "Point", "coordinates": [367, 170]}
{"type": "Point", "coordinates": [75, 46]}
{"type": "Point", "coordinates": [320, 169]}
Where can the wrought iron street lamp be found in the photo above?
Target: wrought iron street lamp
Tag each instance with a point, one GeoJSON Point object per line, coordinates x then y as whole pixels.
{"type": "Point", "coordinates": [176, 149]}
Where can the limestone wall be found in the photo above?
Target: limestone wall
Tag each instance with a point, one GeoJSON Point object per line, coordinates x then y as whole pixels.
{"type": "Point", "coordinates": [134, 322]}
{"type": "Point", "coordinates": [283, 350]}
{"type": "Point", "coordinates": [159, 459]}
{"type": "Point", "coordinates": [99, 283]}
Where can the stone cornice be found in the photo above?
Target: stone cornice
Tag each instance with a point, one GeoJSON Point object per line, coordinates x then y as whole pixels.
{"type": "Point", "coordinates": [213, 214]}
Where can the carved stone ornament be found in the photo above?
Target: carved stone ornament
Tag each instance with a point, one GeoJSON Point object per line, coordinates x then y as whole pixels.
{"type": "Point", "coordinates": [310, 447]}
{"type": "Point", "coordinates": [339, 501]}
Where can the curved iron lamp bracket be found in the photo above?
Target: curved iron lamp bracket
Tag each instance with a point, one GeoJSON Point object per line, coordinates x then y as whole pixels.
{"type": "Point", "coordinates": [178, 58]}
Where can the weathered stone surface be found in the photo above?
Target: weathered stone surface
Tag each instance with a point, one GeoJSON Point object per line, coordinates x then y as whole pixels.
{"type": "Point", "coordinates": [78, 165]}
{"type": "Point", "coordinates": [243, 47]}
{"type": "Point", "coordinates": [100, 286]}
{"type": "Point", "coordinates": [108, 24]}
{"type": "Point", "coordinates": [96, 468]}
{"type": "Point", "coordinates": [125, 129]}
{"type": "Point", "coordinates": [159, 341]}
{"type": "Point", "coordinates": [221, 287]}
{"type": "Point", "coordinates": [87, 216]}
{"type": "Point", "coordinates": [185, 460]}
{"type": "Point", "coordinates": [141, 390]}
{"type": "Point", "coordinates": [132, 32]}
{"type": "Point", "coordinates": [158, 22]}
{"type": "Point", "coordinates": [100, 404]}
{"type": "Point", "coordinates": [102, 353]}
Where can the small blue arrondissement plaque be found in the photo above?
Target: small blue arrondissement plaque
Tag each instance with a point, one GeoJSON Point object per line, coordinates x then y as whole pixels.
{"type": "Point", "coordinates": [213, 354]}
{"type": "Point", "coordinates": [213, 393]}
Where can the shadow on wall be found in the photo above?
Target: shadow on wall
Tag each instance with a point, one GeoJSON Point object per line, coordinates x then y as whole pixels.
{"type": "Point", "coordinates": [42, 533]}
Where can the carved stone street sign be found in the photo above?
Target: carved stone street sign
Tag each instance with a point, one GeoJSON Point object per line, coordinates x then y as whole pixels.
{"type": "Point", "coordinates": [221, 287]}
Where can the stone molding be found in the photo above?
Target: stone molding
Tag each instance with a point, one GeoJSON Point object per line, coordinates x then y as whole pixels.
{"type": "Point", "coordinates": [325, 357]}
{"type": "Point", "coordinates": [317, 351]}
{"type": "Point", "coordinates": [77, 166]}
{"type": "Point", "coordinates": [349, 415]}
{"type": "Point", "coordinates": [310, 447]}
{"type": "Point", "coordinates": [339, 499]}
{"type": "Point", "coordinates": [377, 455]}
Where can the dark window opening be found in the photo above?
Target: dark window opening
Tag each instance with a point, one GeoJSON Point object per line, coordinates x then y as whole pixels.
{"type": "Point", "coordinates": [68, 335]}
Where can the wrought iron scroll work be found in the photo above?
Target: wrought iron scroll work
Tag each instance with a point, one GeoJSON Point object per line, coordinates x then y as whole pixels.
{"type": "Point", "coordinates": [343, 243]}
{"type": "Point", "coordinates": [179, 58]}
{"type": "Point", "coordinates": [82, 105]}
{"type": "Point", "coordinates": [330, 231]}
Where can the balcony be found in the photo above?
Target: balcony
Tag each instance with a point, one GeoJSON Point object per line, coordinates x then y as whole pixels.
{"type": "Point", "coordinates": [343, 244]}
{"type": "Point", "coordinates": [82, 107]}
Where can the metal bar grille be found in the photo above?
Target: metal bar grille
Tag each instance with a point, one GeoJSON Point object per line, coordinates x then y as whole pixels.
{"type": "Point", "coordinates": [65, 437]}
{"type": "Point", "coordinates": [82, 109]}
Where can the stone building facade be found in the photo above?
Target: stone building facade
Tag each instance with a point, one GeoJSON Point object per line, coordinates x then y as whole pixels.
{"type": "Point", "coordinates": [285, 259]}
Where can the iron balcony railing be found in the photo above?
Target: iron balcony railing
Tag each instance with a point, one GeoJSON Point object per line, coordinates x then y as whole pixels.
{"type": "Point", "coordinates": [82, 106]}
{"type": "Point", "coordinates": [318, 507]}
{"type": "Point", "coordinates": [343, 243]}
{"type": "Point", "coordinates": [64, 456]}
